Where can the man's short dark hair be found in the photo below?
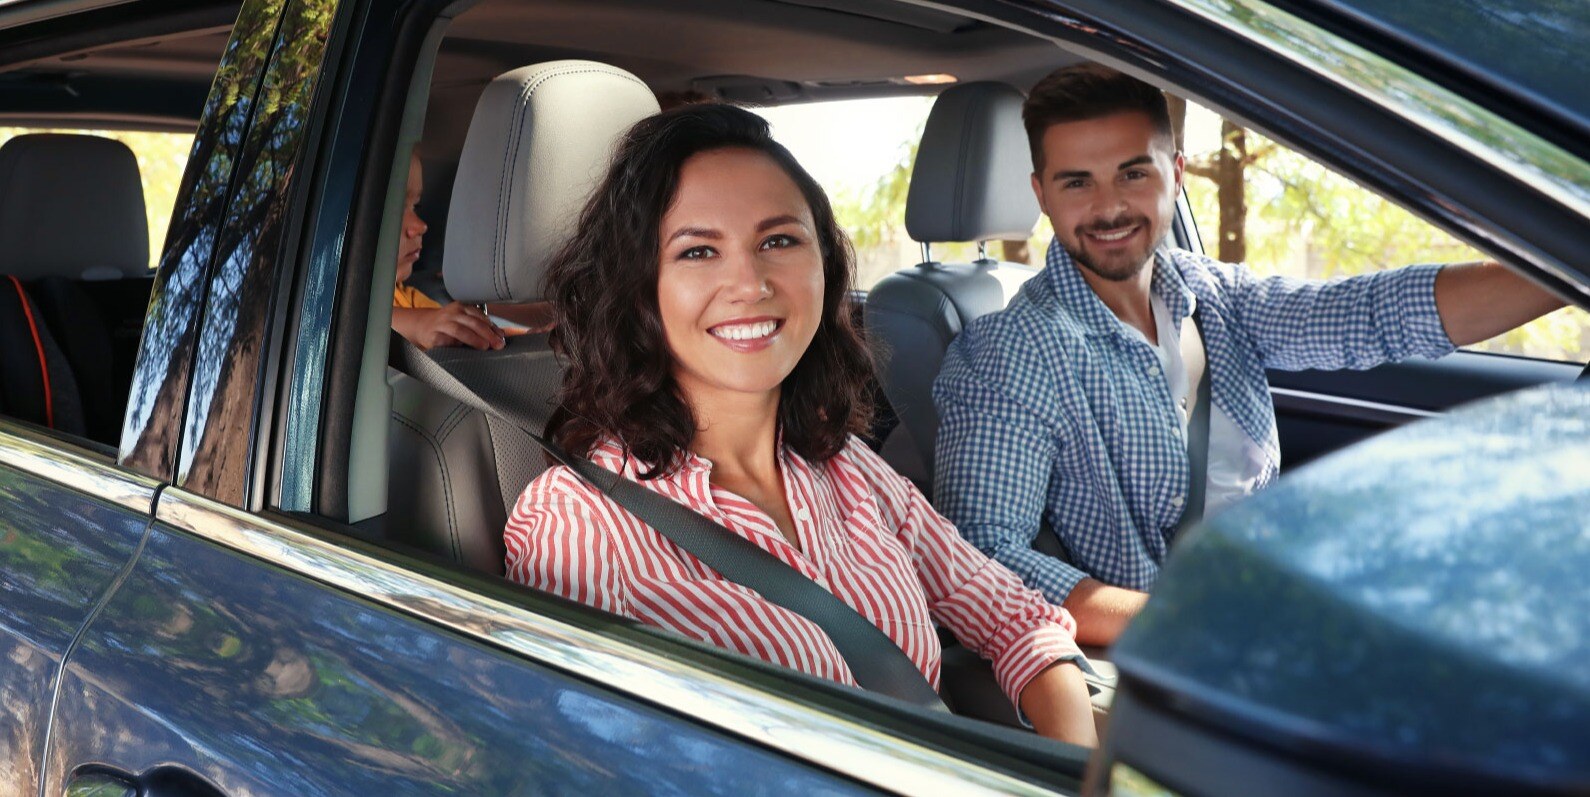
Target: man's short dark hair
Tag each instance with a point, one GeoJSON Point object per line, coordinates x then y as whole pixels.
{"type": "Point", "coordinates": [1088, 91]}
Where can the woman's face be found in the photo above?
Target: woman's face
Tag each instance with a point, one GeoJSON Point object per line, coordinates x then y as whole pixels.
{"type": "Point", "coordinates": [740, 275]}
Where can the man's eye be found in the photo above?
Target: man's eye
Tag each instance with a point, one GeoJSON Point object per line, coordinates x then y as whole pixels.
{"type": "Point", "coordinates": [696, 253]}
{"type": "Point", "coordinates": [1136, 174]}
{"type": "Point", "coordinates": [780, 241]}
{"type": "Point", "coordinates": [1077, 183]}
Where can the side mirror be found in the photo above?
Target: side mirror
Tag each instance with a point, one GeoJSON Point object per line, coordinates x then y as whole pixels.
{"type": "Point", "coordinates": [1409, 616]}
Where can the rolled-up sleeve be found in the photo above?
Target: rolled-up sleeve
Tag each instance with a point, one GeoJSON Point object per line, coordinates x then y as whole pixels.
{"type": "Point", "coordinates": [992, 462]}
{"type": "Point", "coordinates": [1351, 322]}
{"type": "Point", "coordinates": [981, 602]}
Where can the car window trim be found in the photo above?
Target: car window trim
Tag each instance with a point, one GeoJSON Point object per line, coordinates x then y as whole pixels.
{"type": "Point", "coordinates": [75, 467]}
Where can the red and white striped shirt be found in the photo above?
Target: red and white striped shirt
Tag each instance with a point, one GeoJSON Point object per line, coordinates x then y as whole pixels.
{"type": "Point", "coordinates": [866, 534]}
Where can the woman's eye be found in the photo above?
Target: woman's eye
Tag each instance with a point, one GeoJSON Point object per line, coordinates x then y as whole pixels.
{"type": "Point", "coordinates": [696, 253]}
{"type": "Point", "coordinates": [780, 241]}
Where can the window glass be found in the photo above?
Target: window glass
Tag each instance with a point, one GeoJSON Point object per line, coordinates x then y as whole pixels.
{"type": "Point", "coordinates": [161, 158]}
{"type": "Point", "coordinates": [1262, 204]}
{"type": "Point", "coordinates": [861, 152]}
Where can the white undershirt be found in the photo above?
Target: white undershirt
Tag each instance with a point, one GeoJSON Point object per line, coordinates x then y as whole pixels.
{"type": "Point", "coordinates": [1235, 460]}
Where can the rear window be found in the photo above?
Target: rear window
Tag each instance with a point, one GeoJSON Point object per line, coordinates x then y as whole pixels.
{"type": "Point", "coordinates": [861, 152]}
{"type": "Point", "coordinates": [161, 159]}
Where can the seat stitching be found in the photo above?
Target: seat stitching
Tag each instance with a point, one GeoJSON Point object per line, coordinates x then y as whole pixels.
{"type": "Point", "coordinates": [447, 487]}
{"type": "Point", "coordinates": [451, 422]}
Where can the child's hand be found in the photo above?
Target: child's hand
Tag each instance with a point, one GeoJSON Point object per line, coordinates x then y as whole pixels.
{"type": "Point", "coordinates": [457, 324]}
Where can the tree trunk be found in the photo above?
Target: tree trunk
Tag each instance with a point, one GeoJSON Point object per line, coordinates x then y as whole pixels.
{"type": "Point", "coordinates": [1230, 166]}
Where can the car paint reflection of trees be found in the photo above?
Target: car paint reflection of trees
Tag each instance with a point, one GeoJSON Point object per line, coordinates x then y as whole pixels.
{"type": "Point", "coordinates": [1421, 594]}
{"type": "Point", "coordinates": [58, 552]}
{"type": "Point", "coordinates": [155, 406]}
{"type": "Point", "coordinates": [323, 693]}
{"type": "Point", "coordinates": [228, 367]}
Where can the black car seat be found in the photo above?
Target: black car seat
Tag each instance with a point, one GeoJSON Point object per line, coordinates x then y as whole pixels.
{"type": "Point", "coordinates": [540, 138]}
{"type": "Point", "coordinates": [970, 182]}
{"type": "Point", "coordinates": [36, 384]}
{"type": "Point", "coordinates": [74, 231]}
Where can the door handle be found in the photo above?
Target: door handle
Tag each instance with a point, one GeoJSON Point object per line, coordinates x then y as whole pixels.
{"type": "Point", "coordinates": [98, 780]}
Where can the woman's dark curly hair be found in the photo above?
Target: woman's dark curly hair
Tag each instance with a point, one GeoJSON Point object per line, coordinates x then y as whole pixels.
{"type": "Point", "coordinates": [603, 283]}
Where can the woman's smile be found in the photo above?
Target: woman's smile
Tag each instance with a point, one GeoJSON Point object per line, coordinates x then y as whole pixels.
{"type": "Point", "coordinates": [747, 334]}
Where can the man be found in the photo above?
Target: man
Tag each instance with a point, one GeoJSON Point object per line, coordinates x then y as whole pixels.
{"type": "Point", "coordinates": [1072, 405]}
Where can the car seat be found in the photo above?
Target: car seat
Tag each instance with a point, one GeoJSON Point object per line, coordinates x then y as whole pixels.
{"type": "Point", "coordinates": [970, 182]}
{"type": "Point", "coordinates": [540, 139]}
{"type": "Point", "coordinates": [75, 233]}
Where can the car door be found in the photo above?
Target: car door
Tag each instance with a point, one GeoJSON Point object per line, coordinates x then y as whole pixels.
{"type": "Point", "coordinates": [72, 518]}
{"type": "Point", "coordinates": [71, 521]}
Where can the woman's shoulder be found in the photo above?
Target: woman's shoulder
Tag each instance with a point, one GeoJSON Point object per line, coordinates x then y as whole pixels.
{"type": "Point", "coordinates": [559, 484]}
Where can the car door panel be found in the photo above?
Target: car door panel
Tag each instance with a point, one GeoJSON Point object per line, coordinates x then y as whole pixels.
{"type": "Point", "coordinates": [262, 682]}
{"type": "Point", "coordinates": [61, 549]}
{"type": "Point", "coordinates": [1320, 411]}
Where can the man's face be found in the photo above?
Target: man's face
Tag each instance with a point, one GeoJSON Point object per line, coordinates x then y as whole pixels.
{"type": "Point", "coordinates": [1109, 187]}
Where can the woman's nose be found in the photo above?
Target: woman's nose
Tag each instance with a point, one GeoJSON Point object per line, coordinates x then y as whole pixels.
{"type": "Point", "coordinates": [747, 277]}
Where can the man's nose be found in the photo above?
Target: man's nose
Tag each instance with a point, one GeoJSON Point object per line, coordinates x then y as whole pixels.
{"type": "Point", "coordinates": [1109, 200]}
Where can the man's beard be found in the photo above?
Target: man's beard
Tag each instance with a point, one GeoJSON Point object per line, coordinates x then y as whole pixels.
{"type": "Point", "coordinates": [1116, 266]}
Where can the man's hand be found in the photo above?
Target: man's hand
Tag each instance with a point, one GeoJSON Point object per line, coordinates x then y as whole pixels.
{"type": "Point", "coordinates": [1056, 701]}
{"type": "Point", "coordinates": [1102, 611]}
{"type": "Point", "coordinates": [457, 324]}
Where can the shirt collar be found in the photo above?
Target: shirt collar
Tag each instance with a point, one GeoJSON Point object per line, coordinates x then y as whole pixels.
{"type": "Point", "coordinates": [1077, 296]}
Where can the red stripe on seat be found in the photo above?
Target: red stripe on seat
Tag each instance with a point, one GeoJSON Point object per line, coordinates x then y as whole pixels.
{"type": "Point", "coordinates": [38, 345]}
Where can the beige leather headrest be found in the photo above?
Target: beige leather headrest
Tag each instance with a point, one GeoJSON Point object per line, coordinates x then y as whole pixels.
{"type": "Point", "coordinates": [541, 138]}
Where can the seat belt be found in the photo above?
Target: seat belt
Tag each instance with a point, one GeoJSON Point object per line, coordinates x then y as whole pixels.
{"type": "Point", "coordinates": [874, 659]}
{"type": "Point", "coordinates": [1197, 443]}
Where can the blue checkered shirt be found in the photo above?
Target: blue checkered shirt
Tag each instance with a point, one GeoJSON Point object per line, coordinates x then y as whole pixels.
{"type": "Point", "coordinates": [1053, 408]}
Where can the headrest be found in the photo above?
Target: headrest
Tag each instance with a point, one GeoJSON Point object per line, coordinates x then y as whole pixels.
{"type": "Point", "coordinates": [74, 207]}
{"type": "Point", "coordinates": [971, 181]}
{"type": "Point", "coordinates": [541, 138]}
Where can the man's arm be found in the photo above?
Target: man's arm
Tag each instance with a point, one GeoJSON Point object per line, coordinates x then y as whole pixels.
{"type": "Point", "coordinates": [992, 461]}
{"type": "Point", "coordinates": [1479, 301]}
{"type": "Point", "coordinates": [1102, 611]}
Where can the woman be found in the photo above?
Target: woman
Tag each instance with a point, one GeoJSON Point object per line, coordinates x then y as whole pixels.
{"type": "Point", "coordinates": [702, 310]}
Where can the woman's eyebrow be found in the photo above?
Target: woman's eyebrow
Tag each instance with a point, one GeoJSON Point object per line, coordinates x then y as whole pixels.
{"type": "Point", "coordinates": [694, 232]}
{"type": "Point", "coordinates": [776, 221]}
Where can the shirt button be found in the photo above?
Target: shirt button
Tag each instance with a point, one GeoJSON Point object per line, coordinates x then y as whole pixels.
{"type": "Point", "coordinates": [1184, 402]}
{"type": "Point", "coordinates": [803, 514]}
{"type": "Point", "coordinates": [1176, 502]}
{"type": "Point", "coordinates": [1153, 370]}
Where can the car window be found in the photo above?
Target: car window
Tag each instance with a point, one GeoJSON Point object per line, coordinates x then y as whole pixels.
{"type": "Point", "coordinates": [161, 159]}
{"type": "Point", "coordinates": [1260, 203]}
{"type": "Point", "coordinates": [861, 152]}
{"type": "Point", "coordinates": [77, 305]}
